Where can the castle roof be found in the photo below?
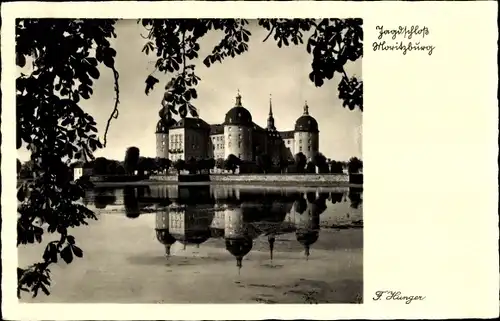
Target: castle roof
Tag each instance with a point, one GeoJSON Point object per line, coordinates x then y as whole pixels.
{"type": "Point", "coordinates": [257, 127]}
{"type": "Point", "coordinates": [193, 236]}
{"type": "Point", "coordinates": [286, 134]}
{"type": "Point", "coordinates": [191, 123]}
{"type": "Point", "coordinates": [216, 129]}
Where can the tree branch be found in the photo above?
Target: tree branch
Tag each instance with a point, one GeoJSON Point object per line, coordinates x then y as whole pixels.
{"type": "Point", "coordinates": [114, 113]}
{"type": "Point", "coordinates": [269, 34]}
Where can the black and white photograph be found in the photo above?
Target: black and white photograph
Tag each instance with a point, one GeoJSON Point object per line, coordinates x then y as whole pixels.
{"type": "Point", "coordinates": [190, 160]}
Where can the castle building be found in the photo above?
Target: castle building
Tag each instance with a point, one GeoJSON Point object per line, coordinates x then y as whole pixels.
{"type": "Point", "coordinates": [237, 135]}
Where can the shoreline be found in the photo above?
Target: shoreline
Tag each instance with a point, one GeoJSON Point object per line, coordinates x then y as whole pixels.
{"type": "Point", "coordinates": [222, 183]}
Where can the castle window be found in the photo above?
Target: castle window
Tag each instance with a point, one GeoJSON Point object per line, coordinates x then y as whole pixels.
{"type": "Point", "coordinates": [229, 136]}
{"type": "Point", "coordinates": [239, 128]}
{"type": "Point", "coordinates": [239, 143]}
{"type": "Point", "coordinates": [229, 144]}
{"type": "Point", "coordinates": [300, 149]}
{"type": "Point", "coordinates": [213, 147]}
{"type": "Point", "coordinates": [239, 155]}
{"type": "Point", "coordinates": [308, 148]}
{"type": "Point", "coordinates": [239, 136]}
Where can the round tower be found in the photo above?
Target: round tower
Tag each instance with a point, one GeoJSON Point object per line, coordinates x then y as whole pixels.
{"type": "Point", "coordinates": [162, 231]}
{"type": "Point", "coordinates": [306, 135]}
{"type": "Point", "coordinates": [307, 223]}
{"type": "Point", "coordinates": [238, 127]}
{"type": "Point", "coordinates": [161, 133]}
{"type": "Point", "coordinates": [238, 241]}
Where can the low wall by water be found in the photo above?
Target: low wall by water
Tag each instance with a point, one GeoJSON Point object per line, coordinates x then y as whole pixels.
{"type": "Point", "coordinates": [249, 178]}
{"type": "Point", "coordinates": [164, 178]}
{"type": "Point", "coordinates": [323, 178]}
{"type": "Point", "coordinates": [117, 178]}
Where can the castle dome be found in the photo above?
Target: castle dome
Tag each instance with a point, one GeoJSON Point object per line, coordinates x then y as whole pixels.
{"type": "Point", "coordinates": [164, 237]}
{"type": "Point", "coordinates": [307, 237]}
{"type": "Point", "coordinates": [239, 247]}
{"type": "Point", "coordinates": [306, 123]}
{"type": "Point", "coordinates": [238, 115]}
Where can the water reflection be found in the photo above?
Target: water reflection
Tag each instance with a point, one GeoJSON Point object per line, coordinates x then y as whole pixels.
{"type": "Point", "coordinates": [237, 216]}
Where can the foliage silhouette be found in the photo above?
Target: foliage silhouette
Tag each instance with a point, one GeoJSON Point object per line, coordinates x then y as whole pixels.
{"type": "Point", "coordinates": [131, 162]}
{"type": "Point", "coordinates": [180, 165]}
{"type": "Point", "coordinates": [300, 162]}
{"type": "Point", "coordinates": [231, 163]}
{"type": "Point", "coordinates": [52, 125]}
{"type": "Point", "coordinates": [354, 165]}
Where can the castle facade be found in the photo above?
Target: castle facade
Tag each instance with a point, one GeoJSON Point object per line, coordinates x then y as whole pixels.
{"type": "Point", "coordinates": [237, 135]}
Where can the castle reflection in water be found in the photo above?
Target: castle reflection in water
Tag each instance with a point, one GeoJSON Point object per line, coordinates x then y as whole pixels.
{"type": "Point", "coordinates": [191, 215]}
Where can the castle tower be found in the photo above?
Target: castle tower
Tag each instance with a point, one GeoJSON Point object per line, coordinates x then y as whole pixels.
{"type": "Point", "coordinates": [162, 129]}
{"type": "Point", "coordinates": [238, 242]}
{"type": "Point", "coordinates": [270, 119]}
{"type": "Point", "coordinates": [307, 224]}
{"type": "Point", "coordinates": [162, 230]}
{"type": "Point", "coordinates": [306, 135]}
{"type": "Point", "coordinates": [238, 126]}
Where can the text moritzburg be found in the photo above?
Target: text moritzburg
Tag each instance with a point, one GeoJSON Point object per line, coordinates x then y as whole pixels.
{"type": "Point", "coordinates": [387, 39]}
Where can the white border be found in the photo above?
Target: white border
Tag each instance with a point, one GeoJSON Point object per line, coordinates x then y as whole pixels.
{"type": "Point", "coordinates": [474, 293]}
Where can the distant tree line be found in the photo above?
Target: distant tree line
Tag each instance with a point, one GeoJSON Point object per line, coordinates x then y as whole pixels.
{"type": "Point", "coordinates": [134, 164]}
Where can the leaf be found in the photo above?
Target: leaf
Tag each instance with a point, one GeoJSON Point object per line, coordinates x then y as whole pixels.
{"type": "Point", "coordinates": [21, 193]}
{"type": "Point", "coordinates": [206, 62]}
{"type": "Point", "coordinates": [183, 111]}
{"type": "Point", "coordinates": [108, 61]}
{"type": "Point", "coordinates": [77, 251]}
{"type": "Point", "coordinates": [44, 289]}
{"type": "Point", "coordinates": [67, 255]}
{"type": "Point", "coordinates": [193, 110]}
{"type": "Point", "coordinates": [93, 72]}
{"type": "Point", "coordinates": [150, 83]}
{"type": "Point", "coordinates": [193, 92]}
{"type": "Point", "coordinates": [71, 239]}
{"type": "Point", "coordinates": [92, 61]}
{"type": "Point", "coordinates": [20, 60]}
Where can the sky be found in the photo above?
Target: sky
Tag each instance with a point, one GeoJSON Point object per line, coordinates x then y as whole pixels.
{"type": "Point", "coordinates": [262, 71]}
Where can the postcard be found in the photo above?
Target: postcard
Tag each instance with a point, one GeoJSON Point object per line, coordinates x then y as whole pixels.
{"type": "Point", "coordinates": [199, 160]}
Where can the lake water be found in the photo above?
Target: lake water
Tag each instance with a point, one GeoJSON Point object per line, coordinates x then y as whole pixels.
{"type": "Point", "coordinates": [214, 244]}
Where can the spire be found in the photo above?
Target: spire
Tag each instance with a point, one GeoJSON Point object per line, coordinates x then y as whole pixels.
{"type": "Point", "coordinates": [271, 240]}
{"type": "Point", "coordinates": [270, 105]}
{"type": "Point", "coordinates": [239, 263]}
{"type": "Point", "coordinates": [306, 109]}
{"type": "Point", "coordinates": [238, 100]}
{"type": "Point", "coordinates": [270, 119]}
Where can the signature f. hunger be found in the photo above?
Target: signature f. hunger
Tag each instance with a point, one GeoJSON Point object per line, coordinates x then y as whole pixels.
{"type": "Point", "coordinates": [396, 295]}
